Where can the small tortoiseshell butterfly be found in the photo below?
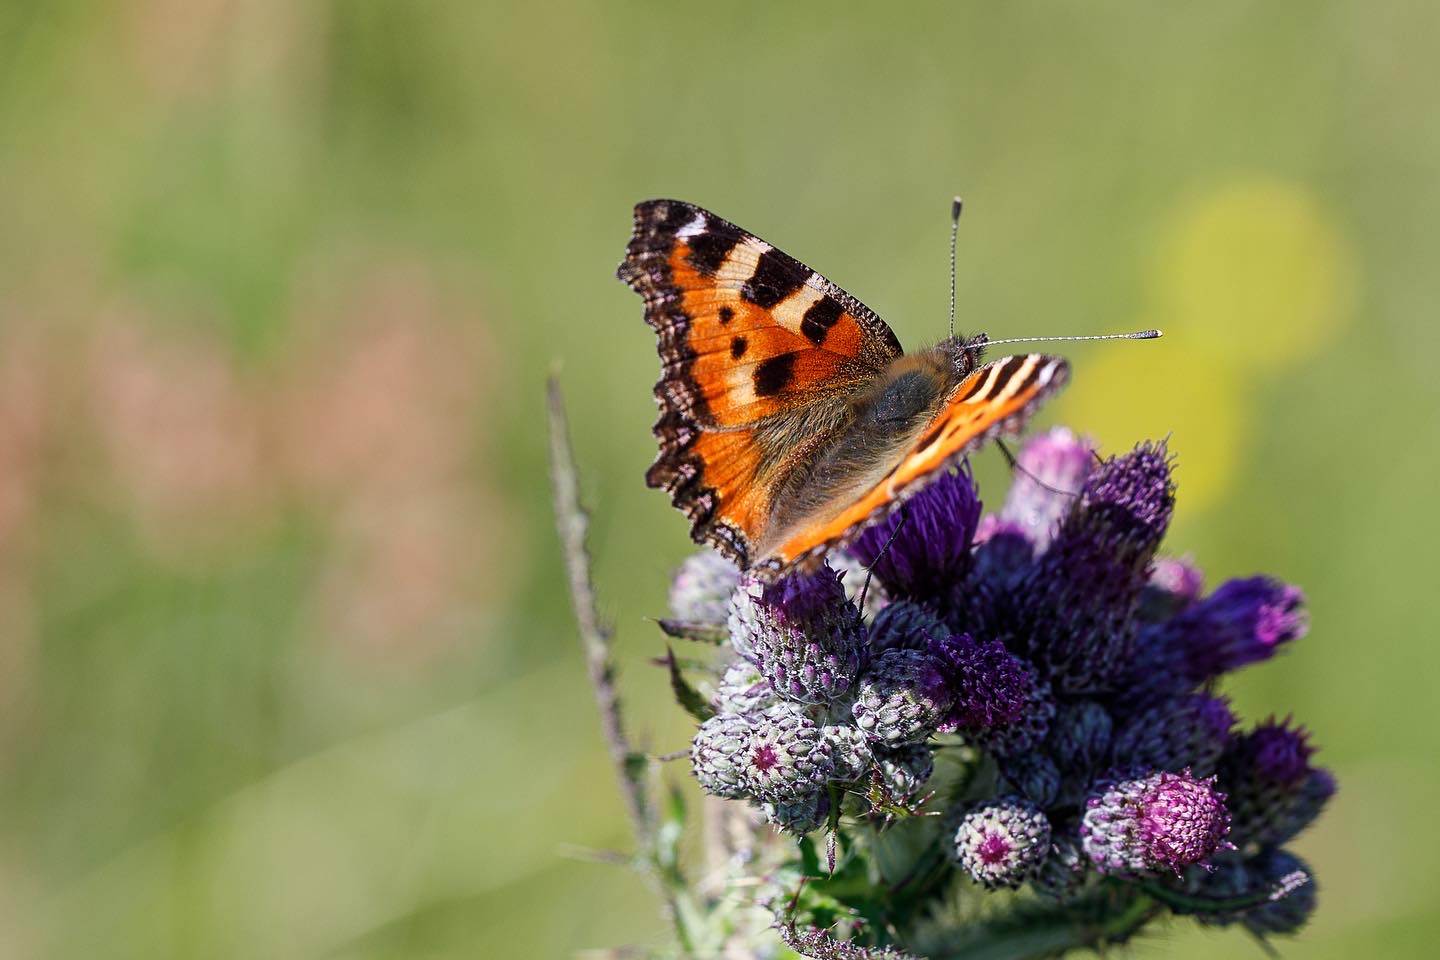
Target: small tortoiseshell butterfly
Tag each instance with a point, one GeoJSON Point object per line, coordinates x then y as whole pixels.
{"type": "Point", "coordinates": [790, 418]}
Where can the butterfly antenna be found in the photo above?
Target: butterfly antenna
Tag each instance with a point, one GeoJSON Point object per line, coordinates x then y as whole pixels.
{"type": "Point", "coordinates": [870, 569]}
{"type": "Point", "coordinates": [1015, 465]}
{"type": "Point", "coordinates": [955, 206]}
{"type": "Point", "coordinates": [1137, 335]}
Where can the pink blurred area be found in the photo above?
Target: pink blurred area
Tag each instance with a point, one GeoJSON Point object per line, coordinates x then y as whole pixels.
{"type": "Point", "coordinates": [368, 423]}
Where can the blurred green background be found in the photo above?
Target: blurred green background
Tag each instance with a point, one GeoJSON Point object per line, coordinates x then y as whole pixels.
{"type": "Point", "coordinates": [286, 667]}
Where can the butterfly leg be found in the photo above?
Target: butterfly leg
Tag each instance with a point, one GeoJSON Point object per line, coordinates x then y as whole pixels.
{"type": "Point", "coordinates": [1015, 466]}
{"type": "Point", "coordinates": [870, 570]}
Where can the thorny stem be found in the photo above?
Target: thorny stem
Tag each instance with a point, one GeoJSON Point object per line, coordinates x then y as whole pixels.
{"type": "Point", "coordinates": [572, 521]}
{"type": "Point", "coordinates": [631, 768]}
{"type": "Point", "coordinates": [1057, 931]}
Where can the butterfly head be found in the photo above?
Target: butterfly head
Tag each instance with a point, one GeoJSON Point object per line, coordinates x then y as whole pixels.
{"type": "Point", "coordinates": [964, 353]}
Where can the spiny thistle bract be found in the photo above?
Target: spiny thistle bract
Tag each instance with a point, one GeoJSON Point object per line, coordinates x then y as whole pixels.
{"type": "Point", "coordinates": [1023, 699]}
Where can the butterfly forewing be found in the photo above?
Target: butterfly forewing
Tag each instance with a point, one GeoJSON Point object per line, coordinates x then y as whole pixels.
{"type": "Point", "coordinates": [747, 336]}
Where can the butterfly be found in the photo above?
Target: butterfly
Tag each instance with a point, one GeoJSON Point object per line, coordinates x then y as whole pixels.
{"type": "Point", "coordinates": [790, 417]}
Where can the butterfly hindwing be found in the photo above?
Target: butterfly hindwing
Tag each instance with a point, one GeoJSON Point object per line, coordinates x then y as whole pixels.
{"type": "Point", "coordinates": [995, 399]}
{"type": "Point", "coordinates": [750, 339]}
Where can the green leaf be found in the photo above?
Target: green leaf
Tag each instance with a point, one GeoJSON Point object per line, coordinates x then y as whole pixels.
{"type": "Point", "coordinates": [711, 633]}
{"type": "Point", "coordinates": [686, 695]}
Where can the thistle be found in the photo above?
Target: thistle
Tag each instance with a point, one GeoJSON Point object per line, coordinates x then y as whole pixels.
{"type": "Point", "coordinates": [1022, 700]}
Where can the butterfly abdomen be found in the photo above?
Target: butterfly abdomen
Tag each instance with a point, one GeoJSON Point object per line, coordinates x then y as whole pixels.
{"type": "Point", "coordinates": [881, 422]}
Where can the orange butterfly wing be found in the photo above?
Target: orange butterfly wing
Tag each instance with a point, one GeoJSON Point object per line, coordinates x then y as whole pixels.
{"type": "Point", "coordinates": [746, 334]}
{"type": "Point", "coordinates": [995, 399]}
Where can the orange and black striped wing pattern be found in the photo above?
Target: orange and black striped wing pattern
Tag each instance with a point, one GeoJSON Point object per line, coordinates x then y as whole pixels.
{"type": "Point", "coordinates": [747, 334]}
{"type": "Point", "coordinates": [996, 399]}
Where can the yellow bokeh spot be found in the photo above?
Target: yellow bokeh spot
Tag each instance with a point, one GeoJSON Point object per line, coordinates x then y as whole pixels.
{"type": "Point", "coordinates": [1121, 398]}
{"type": "Point", "coordinates": [1255, 270]}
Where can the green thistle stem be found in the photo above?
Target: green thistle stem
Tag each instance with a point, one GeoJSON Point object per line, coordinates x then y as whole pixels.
{"type": "Point", "coordinates": [1112, 915]}
{"type": "Point", "coordinates": [658, 840]}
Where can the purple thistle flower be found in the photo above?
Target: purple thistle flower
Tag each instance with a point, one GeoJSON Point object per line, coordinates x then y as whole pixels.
{"type": "Point", "coordinates": [1159, 821]}
{"type": "Point", "coordinates": [1274, 792]}
{"type": "Point", "coordinates": [1003, 550]}
{"type": "Point", "coordinates": [1288, 880]}
{"type": "Point", "coordinates": [930, 555]}
{"type": "Point", "coordinates": [802, 633]}
{"type": "Point", "coordinates": [1025, 733]}
{"type": "Point", "coordinates": [1244, 621]}
{"type": "Point", "coordinates": [1001, 842]}
{"type": "Point", "coordinates": [899, 699]}
{"type": "Point", "coordinates": [1175, 583]}
{"type": "Point", "coordinates": [849, 750]}
{"type": "Point", "coordinates": [718, 755]}
{"type": "Point", "coordinates": [1051, 638]}
{"type": "Point", "coordinates": [702, 586]}
{"type": "Point", "coordinates": [904, 625]}
{"type": "Point", "coordinates": [1080, 737]}
{"type": "Point", "coordinates": [1185, 733]}
{"type": "Point", "coordinates": [1292, 909]}
{"type": "Point", "coordinates": [1314, 793]}
{"type": "Point", "coordinates": [1034, 775]}
{"type": "Point", "coordinates": [1075, 620]}
{"type": "Point", "coordinates": [786, 756]}
{"type": "Point", "coordinates": [800, 816]}
{"type": "Point", "coordinates": [904, 770]}
{"type": "Point", "coordinates": [1052, 471]}
{"type": "Point", "coordinates": [986, 687]}
{"type": "Point", "coordinates": [742, 689]}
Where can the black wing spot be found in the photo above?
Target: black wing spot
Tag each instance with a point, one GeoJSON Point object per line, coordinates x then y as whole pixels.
{"type": "Point", "coordinates": [774, 374]}
{"type": "Point", "coordinates": [709, 249]}
{"type": "Point", "coordinates": [776, 276]}
{"type": "Point", "coordinates": [738, 346]}
{"type": "Point", "coordinates": [822, 315]}
{"type": "Point", "coordinates": [726, 315]}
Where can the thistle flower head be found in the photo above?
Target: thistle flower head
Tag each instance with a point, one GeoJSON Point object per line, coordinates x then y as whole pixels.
{"type": "Point", "coordinates": [1064, 871]}
{"type": "Point", "coordinates": [1081, 595]}
{"type": "Point", "coordinates": [1003, 550]}
{"type": "Point", "coordinates": [899, 699]}
{"type": "Point", "coordinates": [1001, 842]}
{"type": "Point", "coordinates": [849, 750]}
{"type": "Point", "coordinates": [904, 624]}
{"type": "Point", "coordinates": [1156, 822]}
{"type": "Point", "coordinates": [1245, 621]}
{"type": "Point", "coordinates": [700, 591]}
{"type": "Point", "coordinates": [922, 551]}
{"type": "Point", "coordinates": [1080, 738]}
{"type": "Point", "coordinates": [1053, 467]}
{"type": "Point", "coordinates": [743, 689]}
{"type": "Point", "coordinates": [802, 633]}
{"type": "Point", "coordinates": [1293, 881]}
{"type": "Point", "coordinates": [787, 756]}
{"type": "Point", "coordinates": [1183, 733]}
{"type": "Point", "coordinates": [718, 755]}
{"type": "Point", "coordinates": [1034, 775]}
{"type": "Point", "coordinates": [987, 688]}
{"type": "Point", "coordinates": [800, 816]}
{"type": "Point", "coordinates": [1274, 791]}
{"type": "Point", "coordinates": [1286, 879]}
{"type": "Point", "coordinates": [904, 770]}
{"type": "Point", "coordinates": [1175, 583]}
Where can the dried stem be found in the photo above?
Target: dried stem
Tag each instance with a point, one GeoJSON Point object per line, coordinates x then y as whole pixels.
{"type": "Point", "coordinates": [595, 636]}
